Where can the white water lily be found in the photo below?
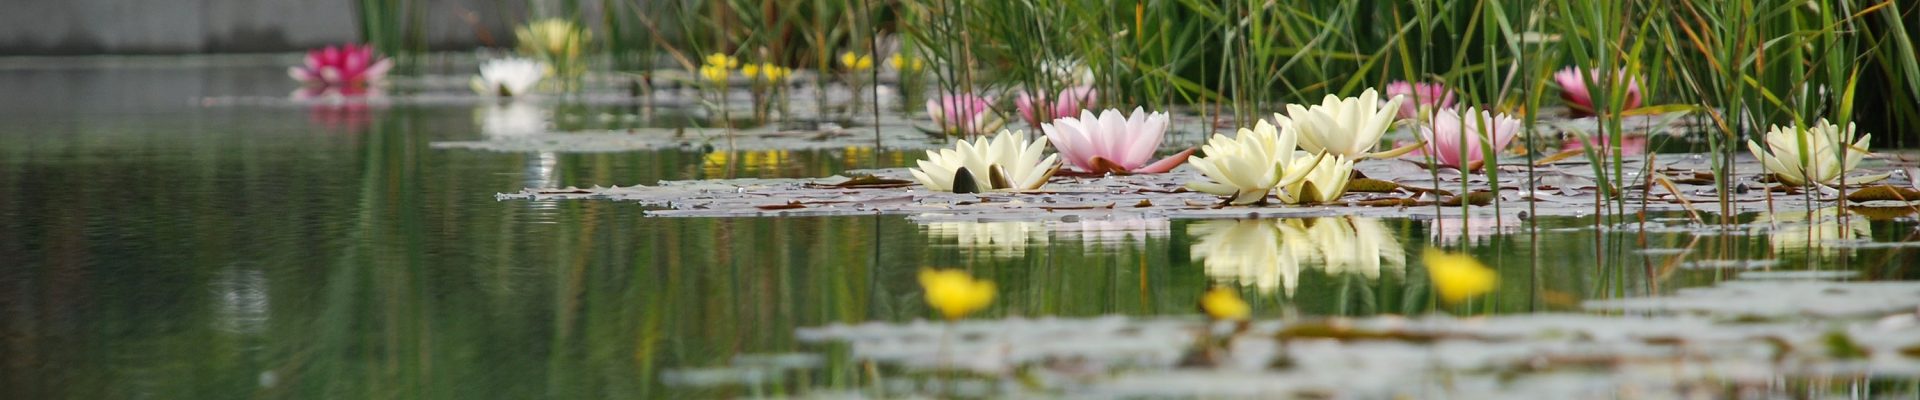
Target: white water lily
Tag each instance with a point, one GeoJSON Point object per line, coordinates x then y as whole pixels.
{"type": "Point", "coordinates": [1007, 161]}
{"type": "Point", "coordinates": [508, 76]}
{"type": "Point", "coordinates": [1244, 168]}
{"type": "Point", "coordinates": [994, 238]}
{"type": "Point", "coordinates": [1325, 181]}
{"type": "Point", "coordinates": [1357, 245]}
{"type": "Point", "coordinates": [1263, 253]}
{"type": "Point", "coordinates": [1349, 127]}
{"type": "Point", "coordinates": [1813, 158]}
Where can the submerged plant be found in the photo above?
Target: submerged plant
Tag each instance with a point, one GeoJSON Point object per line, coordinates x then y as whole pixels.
{"type": "Point", "coordinates": [1802, 156]}
{"type": "Point", "coordinates": [1326, 181]}
{"type": "Point", "coordinates": [1244, 168]}
{"type": "Point", "coordinates": [1007, 161]}
{"type": "Point", "coordinates": [349, 68]}
{"type": "Point", "coordinates": [954, 293]}
{"type": "Point", "coordinates": [512, 76]}
{"type": "Point", "coordinates": [1458, 276]}
{"type": "Point", "coordinates": [1113, 143]}
{"type": "Point", "coordinates": [1573, 89]}
{"type": "Point", "coordinates": [964, 114]}
{"type": "Point", "coordinates": [1070, 101]}
{"type": "Point", "coordinates": [1348, 127]}
{"type": "Point", "coordinates": [1456, 139]}
{"type": "Point", "coordinates": [1422, 98]}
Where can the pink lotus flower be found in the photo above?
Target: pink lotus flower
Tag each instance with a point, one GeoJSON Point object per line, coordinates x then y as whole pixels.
{"type": "Point", "coordinates": [964, 114]}
{"type": "Point", "coordinates": [347, 68]}
{"type": "Point", "coordinates": [1112, 143]}
{"type": "Point", "coordinates": [1071, 100]}
{"type": "Point", "coordinates": [1444, 136]}
{"type": "Point", "coordinates": [1573, 88]}
{"type": "Point", "coordinates": [1421, 97]}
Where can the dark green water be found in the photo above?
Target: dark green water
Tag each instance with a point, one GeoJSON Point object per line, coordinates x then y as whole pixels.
{"type": "Point", "coordinates": [151, 247]}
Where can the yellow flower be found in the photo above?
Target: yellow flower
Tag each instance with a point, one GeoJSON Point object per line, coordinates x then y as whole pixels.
{"type": "Point", "coordinates": [553, 38]}
{"type": "Point", "coordinates": [856, 62]}
{"type": "Point", "coordinates": [723, 59]}
{"type": "Point", "coordinates": [1224, 304]}
{"type": "Point", "coordinates": [766, 72]}
{"type": "Point", "coordinates": [954, 292]}
{"type": "Point", "coordinates": [1458, 276]}
{"type": "Point", "coordinates": [714, 73]}
{"type": "Point", "coordinates": [901, 62]}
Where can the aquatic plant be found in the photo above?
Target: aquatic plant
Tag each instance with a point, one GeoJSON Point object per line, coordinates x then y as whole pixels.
{"type": "Point", "coordinates": [1462, 140]}
{"type": "Point", "coordinates": [1244, 168]}
{"type": "Point", "coordinates": [722, 60]}
{"type": "Point", "coordinates": [964, 114]}
{"type": "Point", "coordinates": [906, 64]}
{"type": "Point", "coordinates": [1113, 143]}
{"type": "Point", "coordinates": [350, 68]}
{"type": "Point", "coordinates": [1573, 89]}
{"type": "Point", "coordinates": [955, 293]}
{"type": "Point", "coordinates": [1070, 100]}
{"type": "Point", "coordinates": [559, 42]}
{"type": "Point", "coordinates": [856, 62]}
{"type": "Point", "coordinates": [1326, 181]}
{"type": "Point", "coordinates": [1007, 161]}
{"type": "Point", "coordinates": [1348, 127]}
{"type": "Point", "coordinates": [1458, 276]}
{"type": "Point", "coordinates": [511, 76]}
{"type": "Point", "coordinates": [1224, 304]}
{"type": "Point", "coordinates": [715, 74]}
{"type": "Point", "coordinates": [1802, 156]}
{"type": "Point", "coordinates": [1423, 98]}
{"type": "Point", "coordinates": [766, 73]}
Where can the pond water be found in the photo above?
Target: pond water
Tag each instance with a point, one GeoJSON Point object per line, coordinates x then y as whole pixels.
{"type": "Point", "coordinates": [155, 247]}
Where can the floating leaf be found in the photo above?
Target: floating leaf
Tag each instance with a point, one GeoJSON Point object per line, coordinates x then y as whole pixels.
{"type": "Point", "coordinates": [1369, 185]}
{"type": "Point", "coordinates": [788, 206]}
{"type": "Point", "coordinates": [1884, 192]}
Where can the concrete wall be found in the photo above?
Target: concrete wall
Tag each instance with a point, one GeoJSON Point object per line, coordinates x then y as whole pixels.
{"type": "Point", "coordinates": [45, 27]}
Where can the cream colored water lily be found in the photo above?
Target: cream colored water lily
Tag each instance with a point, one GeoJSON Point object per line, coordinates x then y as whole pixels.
{"type": "Point", "coordinates": [1814, 158]}
{"type": "Point", "coordinates": [1007, 161]}
{"type": "Point", "coordinates": [1244, 168]}
{"type": "Point", "coordinates": [508, 76]}
{"type": "Point", "coordinates": [1349, 127]}
{"type": "Point", "coordinates": [1325, 181]}
{"type": "Point", "coordinates": [1263, 253]}
{"type": "Point", "coordinates": [1357, 245]}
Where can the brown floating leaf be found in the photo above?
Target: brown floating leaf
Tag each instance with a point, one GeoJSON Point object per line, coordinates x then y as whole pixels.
{"type": "Point", "coordinates": [1884, 192]}
{"type": "Point", "coordinates": [1883, 213]}
{"type": "Point", "coordinates": [1390, 202]}
{"type": "Point", "coordinates": [1476, 198]}
{"type": "Point", "coordinates": [789, 206]}
{"type": "Point", "coordinates": [1143, 204]}
{"type": "Point", "coordinates": [870, 182]}
{"type": "Point", "coordinates": [1368, 185]}
{"type": "Point", "coordinates": [1557, 157]}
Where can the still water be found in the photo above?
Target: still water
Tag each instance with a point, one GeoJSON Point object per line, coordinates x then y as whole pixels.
{"type": "Point", "coordinates": [152, 246]}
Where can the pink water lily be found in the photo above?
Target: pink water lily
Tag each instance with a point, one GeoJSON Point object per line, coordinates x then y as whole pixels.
{"type": "Point", "coordinates": [1113, 143]}
{"type": "Point", "coordinates": [964, 114]}
{"type": "Point", "coordinates": [1421, 97]}
{"type": "Point", "coordinates": [348, 67]}
{"type": "Point", "coordinates": [1071, 100]}
{"type": "Point", "coordinates": [1573, 89]}
{"type": "Point", "coordinates": [1453, 133]}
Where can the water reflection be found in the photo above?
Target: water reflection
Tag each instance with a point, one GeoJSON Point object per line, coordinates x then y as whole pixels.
{"type": "Point", "coordinates": [1269, 254]}
{"type": "Point", "coordinates": [1111, 231]}
{"type": "Point", "coordinates": [510, 118]}
{"type": "Point", "coordinates": [1448, 231]}
{"type": "Point", "coordinates": [994, 238]}
{"type": "Point", "coordinates": [1802, 232]}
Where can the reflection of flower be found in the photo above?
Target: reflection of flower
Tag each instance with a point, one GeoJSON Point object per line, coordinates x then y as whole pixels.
{"type": "Point", "coordinates": [1422, 98]}
{"type": "Point", "coordinates": [728, 163]}
{"type": "Point", "coordinates": [1573, 88]}
{"type": "Point", "coordinates": [1802, 232]}
{"type": "Point", "coordinates": [508, 77]}
{"type": "Point", "coordinates": [345, 69]}
{"type": "Point", "coordinates": [1453, 133]}
{"type": "Point", "coordinates": [516, 118]}
{"type": "Point", "coordinates": [1246, 167]}
{"type": "Point", "coordinates": [1113, 230]}
{"type": "Point", "coordinates": [954, 292]}
{"type": "Point", "coordinates": [1813, 158]}
{"type": "Point", "coordinates": [1349, 126]}
{"type": "Point", "coordinates": [1111, 142]}
{"type": "Point", "coordinates": [1070, 100]}
{"type": "Point", "coordinates": [997, 238]}
{"type": "Point", "coordinates": [1269, 254]}
{"type": "Point", "coordinates": [964, 114]}
{"type": "Point", "coordinates": [1007, 161]}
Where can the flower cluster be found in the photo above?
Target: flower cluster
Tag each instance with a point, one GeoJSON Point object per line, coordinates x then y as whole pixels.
{"type": "Point", "coordinates": [348, 68]}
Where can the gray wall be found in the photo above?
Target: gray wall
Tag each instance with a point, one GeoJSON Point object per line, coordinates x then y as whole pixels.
{"type": "Point", "coordinates": [44, 27]}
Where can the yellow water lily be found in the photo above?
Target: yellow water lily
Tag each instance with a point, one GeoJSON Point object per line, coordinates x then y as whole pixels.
{"type": "Point", "coordinates": [1326, 181]}
{"type": "Point", "coordinates": [903, 63]}
{"type": "Point", "coordinates": [1457, 277]}
{"type": "Point", "coordinates": [553, 38]}
{"type": "Point", "coordinates": [954, 292]}
{"type": "Point", "coordinates": [1348, 127]}
{"type": "Point", "coordinates": [766, 72]}
{"type": "Point", "coordinates": [1007, 161]}
{"type": "Point", "coordinates": [1244, 168]}
{"type": "Point", "coordinates": [723, 60]}
{"type": "Point", "coordinates": [856, 62]}
{"type": "Point", "coordinates": [715, 73]}
{"type": "Point", "coordinates": [1224, 304]}
{"type": "Point", "coordinates": [1813, 158]}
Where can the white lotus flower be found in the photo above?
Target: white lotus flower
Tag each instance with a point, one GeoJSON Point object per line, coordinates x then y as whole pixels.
{"type": "Point", "coordinates": [1249, 165]}
{"type": "Point", "coordinates": [508, 76]}
{"type": "Point", "coordinates": [1814, 158]}
{"type": "Point", "coordinates": [1325, 181]}
{"type": "Point", "coordinates": [1007, 161]}
{"type": "Point", "coordinates": [1349, 127]}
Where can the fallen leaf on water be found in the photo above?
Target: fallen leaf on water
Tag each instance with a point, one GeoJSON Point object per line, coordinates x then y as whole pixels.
{"type": "Point", "coordinates": [1369, 185]}
{"type": "Point", "coordinates": [1884, 192]}
{"type": "Point", "coordinates": [789, 206]}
